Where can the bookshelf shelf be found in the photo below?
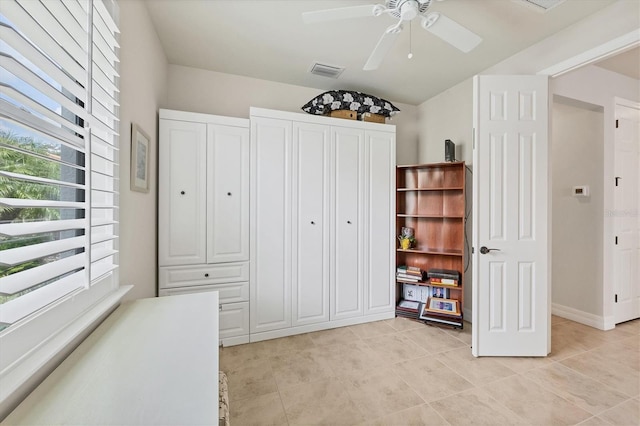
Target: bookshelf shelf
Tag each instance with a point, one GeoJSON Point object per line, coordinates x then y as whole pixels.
{"type": "Point", "coordinates": [430, 189]}
{"type": "Point", "coordinates": [437, 251]}
{"type": "Point", "coordinates": [430, 199]}
{"type": "Point", "coordinates": [430, 216]}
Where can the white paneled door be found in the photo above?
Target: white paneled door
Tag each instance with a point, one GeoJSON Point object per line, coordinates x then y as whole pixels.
{"type": "Point", "coordinates": [310, 201]}
{"type": "Point", "coordinates": [511, 315]}
{"type": "Point", "coordinates": [182, 202]}
{"type": "Point", "coordinates": [626, 242]}
{"type": "Point", "coordinates": [379, 278]}
{"type": "Point", "coordinates": [228, 194]}
{"type": "Point", "coordinates": [347, 227]}
{"type": "Point", "coordinates": [270, 288]}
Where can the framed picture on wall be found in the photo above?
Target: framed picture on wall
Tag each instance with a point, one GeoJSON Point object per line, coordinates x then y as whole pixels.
{"type": "Point", "coordinates": [139, 159]}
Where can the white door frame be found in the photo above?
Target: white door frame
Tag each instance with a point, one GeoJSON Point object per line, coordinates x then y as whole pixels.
{"type": "Point", "coordinates": [630, 310]}
{"type": "Point", "coordinates": [610, 48]}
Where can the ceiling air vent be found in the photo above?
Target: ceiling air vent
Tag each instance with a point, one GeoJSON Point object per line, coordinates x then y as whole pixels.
{"type": "Point", "coordinates": [540, 5]}
{"type": "Point", "coordinates": [324, 70]}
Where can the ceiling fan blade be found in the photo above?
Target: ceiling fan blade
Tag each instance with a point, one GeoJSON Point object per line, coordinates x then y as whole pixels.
{"type": "Point", "coordinates": [382, 48]}
{"type": "Point", "coordinates": [339, 13]}
{"type": "Point", "coordinates": [451, 32]}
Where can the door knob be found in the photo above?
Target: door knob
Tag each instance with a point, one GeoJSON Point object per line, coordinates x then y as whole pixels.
{"type": "Point", "coordinates": [485, 250]}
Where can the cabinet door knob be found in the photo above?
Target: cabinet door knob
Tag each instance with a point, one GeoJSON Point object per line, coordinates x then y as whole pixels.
{"type": "Point", "coordinates": [182, 192]}
{"type": "Point", "coordinates": [206, 275]}
{"type": "Point", "coordinates": [312, 222]}
{"type": "Point", "coordinates": [229, 194]}
{"type": "Point", "coordinates": [349, 222]}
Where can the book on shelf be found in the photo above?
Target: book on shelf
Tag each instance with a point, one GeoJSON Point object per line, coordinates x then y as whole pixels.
{"type": "Point", "coordinates": [406, 277]}
{"type": "Point", "coordinates": [443, 274]}
{"type": "Point", "coordinates": [444, 281]}
{"type": "Point", "coordinates": [407, 314]}
{"type": "Point", "coordinates": [410, 270]}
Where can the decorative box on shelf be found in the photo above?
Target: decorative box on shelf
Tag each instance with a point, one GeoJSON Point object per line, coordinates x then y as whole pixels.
{"type": "Point", "coordinates": [373, 118]}
{"type": "Point", "coordinates": [344, 113]}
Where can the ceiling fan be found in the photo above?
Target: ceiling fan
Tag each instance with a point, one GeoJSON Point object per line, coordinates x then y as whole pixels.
{"type": "Point", "coordinates": [405, 11]}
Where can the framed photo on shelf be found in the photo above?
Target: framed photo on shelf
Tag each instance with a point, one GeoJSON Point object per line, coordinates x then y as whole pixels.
{"type": "Point", "coordinates": [440, 293]}
{"type": "Point", "coordinates": [412, 292]}
{"type": "Point", "coordinates": [442, 306]}
{"type": "Point", "coordinates": [409, 305]}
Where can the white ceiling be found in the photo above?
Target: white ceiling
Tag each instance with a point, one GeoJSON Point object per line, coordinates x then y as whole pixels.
{"type": "Point", "coordinates": [267, 39]}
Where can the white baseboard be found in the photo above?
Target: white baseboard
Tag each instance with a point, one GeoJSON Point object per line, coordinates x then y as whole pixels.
{"type": "Point", "coordinates": [586, 318]}
{"type": "Point", "coordinates": [274, 334]}
{"type": "Point", "coordinates": [466, 314]}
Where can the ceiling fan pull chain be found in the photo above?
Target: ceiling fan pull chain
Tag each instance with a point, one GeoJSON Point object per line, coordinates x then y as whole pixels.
{"type": "Point", "coordinates": [410, 55]}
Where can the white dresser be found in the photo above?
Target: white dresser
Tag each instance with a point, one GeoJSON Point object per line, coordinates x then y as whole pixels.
{"type": "Point", "coordinates": [203, 213]}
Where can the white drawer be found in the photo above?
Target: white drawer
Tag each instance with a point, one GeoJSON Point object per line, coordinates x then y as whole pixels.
{"type": "Point", "coordinates": [227, 293]}
{"type": "Point", "coordinates": [190, 276]}
{"type": "Point", "coordinates": [234, 319]}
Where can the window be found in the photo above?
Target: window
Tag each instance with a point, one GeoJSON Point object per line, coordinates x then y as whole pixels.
{"type": "Point", "coordinates": [58, 165]}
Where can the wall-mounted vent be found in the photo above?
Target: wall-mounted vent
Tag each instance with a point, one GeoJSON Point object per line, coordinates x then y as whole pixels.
{"type": "Point", "coordinates": [540, 5]}
{"type": "Point", "coordinates": [324, 70]}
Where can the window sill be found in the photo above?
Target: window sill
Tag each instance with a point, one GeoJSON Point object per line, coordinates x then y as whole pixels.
{"type": "Point", "coordinates": [18, 380]}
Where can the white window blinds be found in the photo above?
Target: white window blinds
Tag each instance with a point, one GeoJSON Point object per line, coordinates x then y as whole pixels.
{"type": "Point", "coordinates": [58, 151]}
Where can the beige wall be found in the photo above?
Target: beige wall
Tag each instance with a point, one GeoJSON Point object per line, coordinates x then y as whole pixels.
{"type": "Point", "coordinates": [197, 90]}
{"type": "Point", "coordinates": [449, 115]}
{"type": "Point", "coordinates": [143, 70]}
{"type": "Point", "coordinates": [595, 86]}
{"type": "Point", "coordinates": [576, 159]}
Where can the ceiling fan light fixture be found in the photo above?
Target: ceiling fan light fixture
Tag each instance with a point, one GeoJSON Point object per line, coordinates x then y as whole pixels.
{"type": "Point", "coordinates": [409, 10]}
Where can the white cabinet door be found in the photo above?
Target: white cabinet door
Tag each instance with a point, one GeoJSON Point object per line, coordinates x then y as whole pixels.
{"type": "Point", "coordinates": [347, 227]}
{"type": "Point", "coordinates": [379, 235]}
{"type": "Point", "coordinates": [227, 194]}
{"type": "Point", "coordinates": [182, 193]}
{"type": "Point", "coordinates": [310, 202]}
{"type": "Point", "coordinates": [270, 247]}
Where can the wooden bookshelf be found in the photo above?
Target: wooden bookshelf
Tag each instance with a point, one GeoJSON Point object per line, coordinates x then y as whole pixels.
{"type": "Point", "coordinates": [430, 198]}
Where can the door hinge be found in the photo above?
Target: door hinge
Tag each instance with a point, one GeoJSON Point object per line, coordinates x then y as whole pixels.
{"type": "Point", "coordinates": [616, 298]}
{"type": "Point", "coordinates": [473, 140]}
{"type": "Point", "coordinates": [473, 250]}
{"type": "Point", "coordinates": [616, 240]}
{"type": "Point", "coordinates": [616, 124]}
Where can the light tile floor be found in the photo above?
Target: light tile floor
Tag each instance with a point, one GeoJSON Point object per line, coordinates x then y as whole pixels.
{"type": "Point", "coordinates": [402, 372]}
